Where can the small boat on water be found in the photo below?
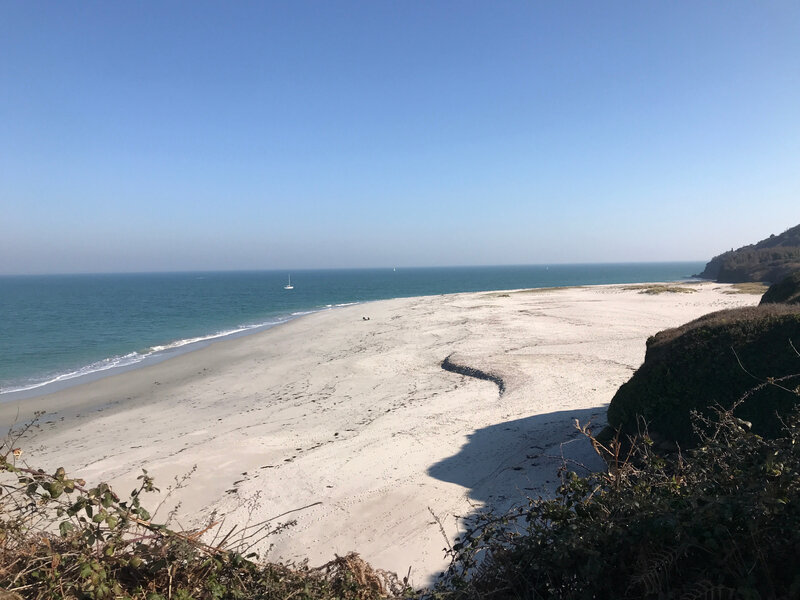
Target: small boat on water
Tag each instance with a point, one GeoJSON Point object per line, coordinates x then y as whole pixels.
{"type": "Point", "coordinates": [289, 285]}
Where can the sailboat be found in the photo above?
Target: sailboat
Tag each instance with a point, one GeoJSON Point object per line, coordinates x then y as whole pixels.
{"type": "Point", "coordinates": [289, 285]}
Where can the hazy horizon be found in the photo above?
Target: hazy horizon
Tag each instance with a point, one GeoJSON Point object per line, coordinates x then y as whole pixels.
{"type": "Point", "coordinates": [196, 136]}
{"type": "Point", "coordinates": [368, 268]}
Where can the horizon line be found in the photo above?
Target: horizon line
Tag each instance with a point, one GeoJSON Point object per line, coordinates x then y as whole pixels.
{"type": "Point", "coordinates": [378, 268]}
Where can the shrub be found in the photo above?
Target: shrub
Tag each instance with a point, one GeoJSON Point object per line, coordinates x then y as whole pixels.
{"type": "Point", "coordinates": [710, 362]}
{"type": "Point", "coordinates": [60, 539]}
{"type": "Point", "coordinates": [723, 522]}
{"type": "Point", "coordinates": [786, 291]}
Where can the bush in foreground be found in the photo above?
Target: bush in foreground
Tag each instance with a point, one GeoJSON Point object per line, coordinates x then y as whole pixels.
{"type": "Point", "coordinates": [722, 523]}
{"type": "Point", "coordinates": [62, 540]}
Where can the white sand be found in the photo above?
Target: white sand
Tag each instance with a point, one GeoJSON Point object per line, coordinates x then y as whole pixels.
{"type": "Point", "coordinates": [359, 417]}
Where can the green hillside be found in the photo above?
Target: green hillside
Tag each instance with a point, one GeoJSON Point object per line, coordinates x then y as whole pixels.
{"type": "Point", "coordinates": [771, 259]}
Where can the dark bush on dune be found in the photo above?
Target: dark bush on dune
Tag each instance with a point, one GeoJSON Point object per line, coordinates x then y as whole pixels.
{"type": "Point", "coordinates": [710, 362]}
{"type": "Point", "coordinates": [786, 291]}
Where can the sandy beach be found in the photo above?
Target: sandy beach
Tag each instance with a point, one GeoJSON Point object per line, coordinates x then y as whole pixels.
{"type": "Point", "coordinates": [352, 427]}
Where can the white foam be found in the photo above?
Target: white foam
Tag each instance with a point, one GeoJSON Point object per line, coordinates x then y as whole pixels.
{"type": "Point", "coordinates": [213, 336]}
{"type": "Point", "coordinates": [102, 365]}
{"type": "Point", "coordinates": [133, 358]}
{"type": "Point", "coordinates": [195, 340]}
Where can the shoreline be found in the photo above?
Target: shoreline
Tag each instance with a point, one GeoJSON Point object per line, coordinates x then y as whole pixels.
{"type": "Point", "coordinates": [180, 347]}
{"type": "Point", "coordinates": [359, 419]}
{"type": "Point", "coordinates": [156, 355]}
{"type": "Point", "coordinates": [273, 307]}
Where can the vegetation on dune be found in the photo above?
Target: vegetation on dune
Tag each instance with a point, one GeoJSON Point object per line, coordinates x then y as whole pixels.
{"type": "Point", "coordinates": [544, 290]}
{"type": "Point", "coordinates": [770, 260]}
{"type": "Point", "coordinates": [756, 288]}
{"type": "Point", "coordinates": [658, 288]}
{"type": "Point", "coordinates": [709, 362]}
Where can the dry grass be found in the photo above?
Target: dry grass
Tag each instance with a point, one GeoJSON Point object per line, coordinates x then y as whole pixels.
{"type": "Point", "coordinates": [367, 582]}
{"type": "Point", "coordinates": [660, 288]}
{"type": "Point", "coordinates": [756, 288]}
{"type": "Point", "coordinates": [544, 290]}
{"type": "Point", "coordinates": [62, 540]}
{"type": "Point", "coordinates": [742, 318]}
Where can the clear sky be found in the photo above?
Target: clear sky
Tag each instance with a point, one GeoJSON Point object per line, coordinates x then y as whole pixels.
{"type": "Point", "coordinates": [140, 136]}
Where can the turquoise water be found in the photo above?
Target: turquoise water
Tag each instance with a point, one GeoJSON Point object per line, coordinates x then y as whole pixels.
{"type": "Point", "coordinates": [57, 329]}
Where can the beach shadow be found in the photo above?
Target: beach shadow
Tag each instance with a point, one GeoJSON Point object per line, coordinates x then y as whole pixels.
{"type": "Point", "coordinates": [504, 464]}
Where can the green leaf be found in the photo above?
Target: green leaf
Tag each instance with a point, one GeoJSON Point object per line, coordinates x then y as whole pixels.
{"type": "Point", "coordinates": [55, 489]}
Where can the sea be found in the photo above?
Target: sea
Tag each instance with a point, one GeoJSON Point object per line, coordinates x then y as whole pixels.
{"type": "Point", "coordinates": [61, 330]}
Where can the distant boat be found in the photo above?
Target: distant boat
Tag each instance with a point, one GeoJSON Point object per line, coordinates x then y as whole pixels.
{"type": "Point", "coordinates": [289, 285]}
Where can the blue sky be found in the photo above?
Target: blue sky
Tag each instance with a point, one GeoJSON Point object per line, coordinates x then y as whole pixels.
{"type": "Point", "coordinates": [257, 135]}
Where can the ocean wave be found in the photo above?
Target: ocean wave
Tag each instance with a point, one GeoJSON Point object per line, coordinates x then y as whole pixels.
{"type": "Point", "coordinates": [96, 367]}
{"type": "Point", "coordinates": [213, 336]}
{"type": "Point", "coordinates": [204, 338]}
{"type": "Point", "coordinates": [133, 358]}
{"type": "Point", "coordinates": [329, 306]}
